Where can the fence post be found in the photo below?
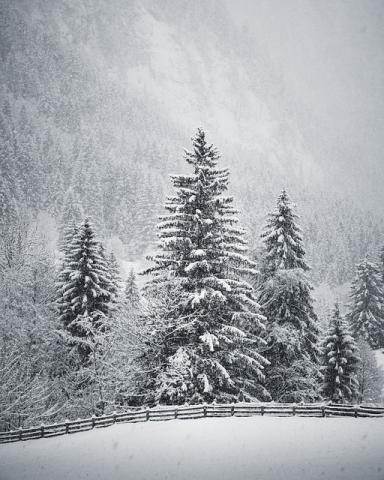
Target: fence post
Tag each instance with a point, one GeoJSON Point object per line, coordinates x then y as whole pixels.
{"type": "Point", "coordinates": [323, 410]}
{"type": "Point", "coordinates": [66, 426]}
{"type": "Point", "coordinates": [205, 409]}
{"type": "Point", "coordinates": [93, 421]}
{"type": "Point", "coordinates": [232, 410]}
{"type": "Point", "coordinates": [262, 410]}
{"type": "Point", "coordinates": [293, 410]}
{"type": "Point", "coordinates": [114, 416]}
{"type": "Point", "coordinates": [42, 429]}
{"type": "Point", "coordinates": [176, 412]}
{"type": "Point", "coordinates": [147, 415]}
{"type": "Point", "coordinates": [20, 433]}
{"type": "Point", "coordinates": [356, 411]}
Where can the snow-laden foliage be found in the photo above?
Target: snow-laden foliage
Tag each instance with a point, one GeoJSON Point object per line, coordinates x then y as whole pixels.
{"type": "Point", "coordinates": [285, 299]}
{"type": "Point", "coordinates": [367, 304]}
{"type": "Point", "coordinates": [341, 361]}
{"type": "Point", "coordinates": [214, 353]}
{"type": "Point", "coordinates": [370, 376]}
{"type": "Point", "coordinates": [104, 382]}
{"type": "Point", "coordinates": [85, 289]}
{"type": "Point", "coordinates": [71, 212]}
{"type": "Point", "coordinates": [131, 291]}
{"type": "Point", "coordinates": [283, 239]}
{"type": "Point", "coordinates": [27, 325]}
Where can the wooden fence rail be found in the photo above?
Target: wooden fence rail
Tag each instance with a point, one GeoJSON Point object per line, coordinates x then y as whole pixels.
{"type": "Point", "coordinates": [191, 412]}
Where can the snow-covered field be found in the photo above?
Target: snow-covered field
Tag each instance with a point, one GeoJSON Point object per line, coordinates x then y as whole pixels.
{"type": "Point", "coordinates": [257, 448]}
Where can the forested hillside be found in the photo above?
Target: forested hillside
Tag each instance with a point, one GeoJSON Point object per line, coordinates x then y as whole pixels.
{"type": "Point", "coordinates": [98, 97]}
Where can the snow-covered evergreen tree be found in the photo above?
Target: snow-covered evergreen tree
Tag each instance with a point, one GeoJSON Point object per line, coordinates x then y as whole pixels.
{"type": "Point", "coordinates": [341, 361]}
{"type": "Point", "coordinates": [84, 287]}
{"type": "Point", "coordinates": [367, 304]}
{"type": "Point", "coordinates": [212, 353]}
{"type": "Point", "coordinates": [285, 298]}
{"type": "Point", "coordinates": [132, 292]}
{"type": "Point", "coordinates": [283, 239]}
{"type": "Point", "coordinates": [115, 279]}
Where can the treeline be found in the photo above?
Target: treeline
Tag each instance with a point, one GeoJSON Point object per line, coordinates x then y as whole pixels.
{"type": "Point", "coordinates": [72, 131]}
{"type": "Point", "coordinates": [210, 324]}
{"type": "Point", "coordinates": [76, 174]}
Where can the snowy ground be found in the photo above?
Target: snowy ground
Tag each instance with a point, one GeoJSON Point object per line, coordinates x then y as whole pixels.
{"type": "Point", "coordinates": [258, 448]}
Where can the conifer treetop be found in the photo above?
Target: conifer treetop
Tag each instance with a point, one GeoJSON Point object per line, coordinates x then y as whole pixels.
{"type": "Point", "coordinates": [367, 301]}
{"type": "Point", "coordinates": [283, 238]}
{"type": "Point", "coordinates": [341, 361]}
{"type": "Point", "coordinates": [85, 289]}
{"type": "Point", "coordinates": [131, 292]}
{"type": "Point", "coordinates": [202, 249]}
{"type": "Point", "coordinates": [200, 236]}
{"type": "Point", "coordinates": [285, 298]}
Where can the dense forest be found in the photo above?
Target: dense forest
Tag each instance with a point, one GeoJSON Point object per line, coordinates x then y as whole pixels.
{"type": "Point", "coordinates": [87, 124]}
{"type": "Point", "coordinates": [97, 99]}
{"type": "Point", "coordinates": [211, 324]}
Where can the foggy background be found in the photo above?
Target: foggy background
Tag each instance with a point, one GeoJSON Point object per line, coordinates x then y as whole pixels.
{"type": "Point", "coordinates": [98, 99]}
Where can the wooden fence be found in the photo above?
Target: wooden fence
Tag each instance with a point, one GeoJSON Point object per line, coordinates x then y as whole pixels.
{"type": "Point", "coordinates": [191, 412]}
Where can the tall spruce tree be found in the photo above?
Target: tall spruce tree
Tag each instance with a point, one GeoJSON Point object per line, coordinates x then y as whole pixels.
{"type": "Point", "coordinates": [131, 292]}
{"type": "Point", "coordinates": [115, 279]}
{"type": "Point", "coordinates": [283, 240]}
{"type": "Point", "coordinates": [212, 350]}
{"type": "Point", "coordinates": [84, 288]}
{"type": "Point", "coordinates": [341, 361]}
{"type": "Point", "coordinates": [367, 304]}
{"type": "Point", "coordinates": [285, 298]}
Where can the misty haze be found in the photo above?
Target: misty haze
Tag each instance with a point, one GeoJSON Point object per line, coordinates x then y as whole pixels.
{"type": "Point", "coordinates": [192, 230]}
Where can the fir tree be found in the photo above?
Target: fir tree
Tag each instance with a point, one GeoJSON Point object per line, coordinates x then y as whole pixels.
{"type": "Point", "coordinates": [131, 292]}
{"type": "Point", "coordinates": [111, 276]}
{"type": "Point", "coordinates": [84, 292]}
{"type": "Point", "coordinates": [341, 361]}
{"type": "Point", "coordinates": [285, 297]}
{"type": "Point", "coordinates": [114, 275]}
{"type": "Point", "coordinates": [214, 334]}
{"type": "Point", "coordinates": [283, 239]}
{"type": "Point", "coordinates": [366, 312]}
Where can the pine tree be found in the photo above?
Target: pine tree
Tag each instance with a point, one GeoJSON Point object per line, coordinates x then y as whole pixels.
{"type": "Point", "coordinates": [285, 297]}
{"type": "Point", "coordinates": [341, 361]}
{"type": "Point", "coordinates": [84, 290]}
{"type": "Point", "coordinates": [366, 312]}
{"type": "Point", "coordinates": [214, 337]}
{"type": "Point", "coordinates": [131, 292]}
